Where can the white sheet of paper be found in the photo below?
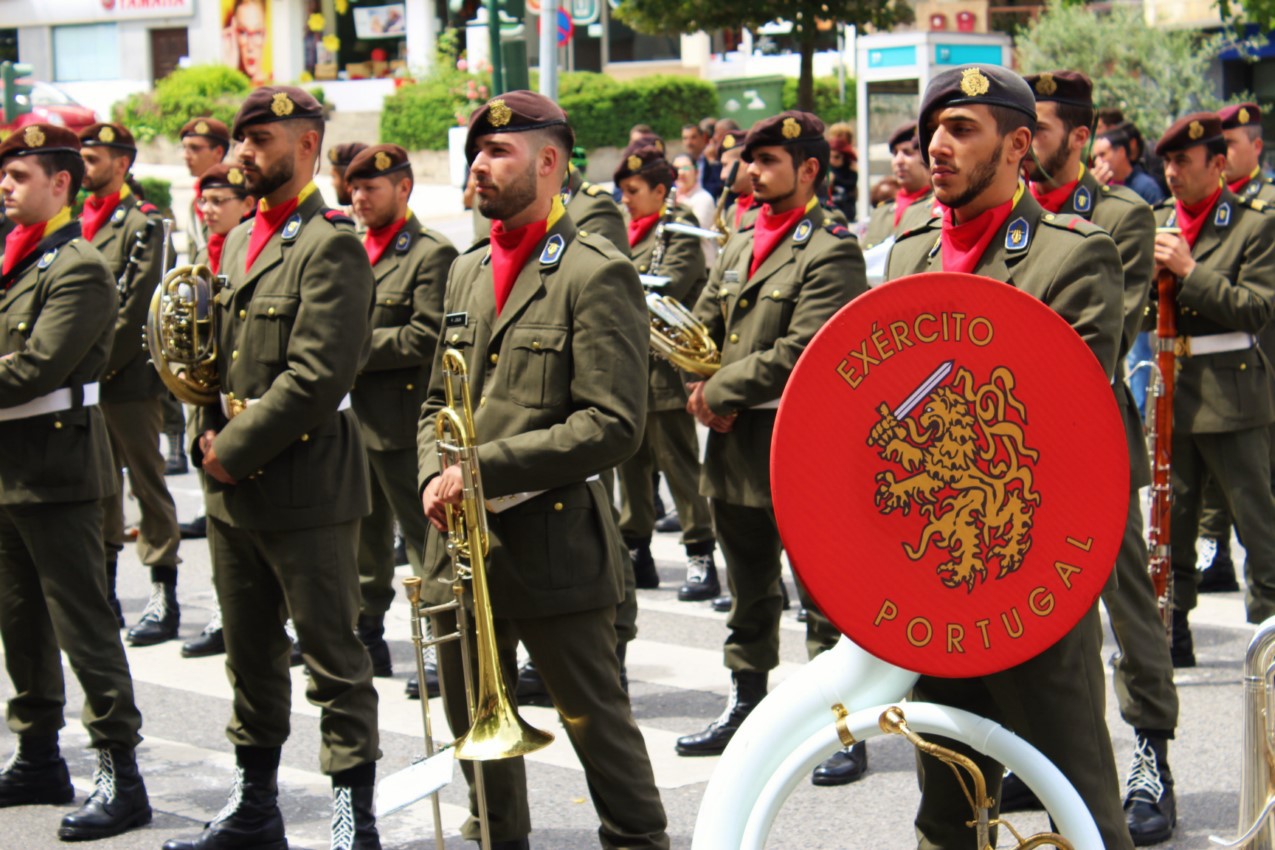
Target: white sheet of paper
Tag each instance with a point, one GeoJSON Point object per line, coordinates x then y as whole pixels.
{"type": "Point", "coordinates": [402, 789]}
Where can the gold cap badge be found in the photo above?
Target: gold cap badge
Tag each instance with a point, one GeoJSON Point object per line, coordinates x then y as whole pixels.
{"type": "Point", "coordinates": [498, 114]}
{"type": "Point", "coordinates": [235, 176]}
{"type": "Point", "coordinates": [973, 83]}
{"type": "Point", "coordinates": [33, 137]}
{"type": "Point", "coordinates": [281, 104]}
{"type": "Point", "coordinates": [634, 162]}
{"type": "Point", "coordinates": [1046, 85]}
{"type": "Point", "coordinates": [790, 129]}
{"type": "Point", "coordinates": [728, 142]}
{"type": "Point", "coordinates": [106, 134]}
{"type": "Point", "coordinates": [1196, 130]}
{"type": "Point", "coordinates": [382, 161]}
{"type": "Point", "coordinates": [201, 127]}
{"type": "Point", "coordinates": [1243, 116]}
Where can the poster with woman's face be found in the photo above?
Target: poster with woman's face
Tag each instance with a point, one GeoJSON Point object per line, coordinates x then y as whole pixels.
{"type": "Point", "coordinates": [245, 41]}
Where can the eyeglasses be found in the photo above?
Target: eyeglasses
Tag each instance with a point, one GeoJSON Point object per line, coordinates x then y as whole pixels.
{"type": "Point", "coordinates": [687, 168]}
{"type": "Point", "coordinates": [210, 201]}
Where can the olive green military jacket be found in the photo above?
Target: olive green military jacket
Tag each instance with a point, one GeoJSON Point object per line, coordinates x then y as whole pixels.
{"type": "Point", "coordinates": [881, 222]}
{"type": "Point", "coordinates": [592, 209]}
{"type": "Point", "coordinates": [746, 219]}
{"type": "Point", "coordinates": [57, 321]}
{"type": "Point", "coordinates": [1230, 290]}
{"type": "Point", "coordinates": [1128, 219]}
{"type": "Point", "coordinates": [683, 261]}
{"type": "Point", "coordinates": [1066, 262]}
{"type": "Point", "coordinates": [6, 226]}
{"type": "Point", "coordinates": [389, 392]}
{"type": "Point", "coordinates": [129, 375]}
{"type": "Point", "coordinates": [292, 335]}
{"type": "Point", "coordinates": [761, 324]}
{"type": "Point", "coordinates": [1258, 188]}
{"type": "Point", "coordinates": [558, 380]}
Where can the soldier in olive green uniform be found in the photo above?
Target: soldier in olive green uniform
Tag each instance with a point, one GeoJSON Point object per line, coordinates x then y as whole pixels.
{"type": "Point", "coordinates": [57, 311]}
{"type": "Point", "coordinates": [915, 192]}
{"type": "Point", "coordinates": [590, 206]}
{"type": "Point", "coordinates": [287, 478]}
{"type": "Point", "coordinates": [1223, 402]}
{"type": "Point", "coordinates": [205, 142]}
{"type": "Point", "coordinates": [774, 286]}
{"type": "Point", "coordinates": [551, 324]}
{"type": "Point", "coordinates": [669, 442]}
{"type": "Point", "coordinates": [1073, 267]}
{"type": "Point", "coordinates": [1242, 128]}
{"type": "Point", "coordinates": [410, 264]}
{"type": "Point", "coordinates": [340, 157]}
{"type": "Point", "coordinates": [116, 221]}
{"type": "Point", "coordinates": [1143, 670]}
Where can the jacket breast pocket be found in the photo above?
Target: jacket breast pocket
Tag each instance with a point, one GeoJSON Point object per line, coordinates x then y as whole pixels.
{"type": "Point", "coordinates": [775, 306]}
{"type": "Point", "coordinates": [266, 335]}
{"type": "Point", "coordinates": [539, 366]}
{"type": "Point", "coordinates": [392, 309]}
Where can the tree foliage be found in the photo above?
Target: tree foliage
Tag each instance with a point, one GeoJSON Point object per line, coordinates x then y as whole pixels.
{"type": "Point", "coordinates": [1154, 76]}
{"type": "Point", "coordinates": [665, 17]}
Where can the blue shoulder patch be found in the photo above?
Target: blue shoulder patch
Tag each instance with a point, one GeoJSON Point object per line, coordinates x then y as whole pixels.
{"type": "Point", "coordinates": [1223, 217]}
{"type": "Point", "coordinates": [403, 242]}
{"type": "Point", "coordinates": [291, 228]}
{"type": "Point", "coordinates": [47, 259]}
{"type": "Point", "coordinates": [1082, 200]}
{"type": "Point", "coordinates": [802, 234]}
{"type": "Point", "coordinates": [117, 217]}
{"type": "Point", "coordinates": [552, 252]}
{"type": "Point", "coordinates": [1018, 234]}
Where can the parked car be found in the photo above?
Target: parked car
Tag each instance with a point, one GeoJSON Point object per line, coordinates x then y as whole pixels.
{"type": "Point", "coordinates": [51, 105]}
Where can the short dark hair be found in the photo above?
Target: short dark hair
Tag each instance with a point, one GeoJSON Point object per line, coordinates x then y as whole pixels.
{"type": "Point", "coordinates": [811, 149]}
{"type": "Point", "coordinates": [641, 129]}
{"type": "Point", "coordinates": [1073, 116]}
{"type": "Point", "coordinates": [70, 162]}
{"type": "Point", "coordinates": [1111, 116]}
{"type": "Point", "coordinates": [697, 128]}
{"type": "Point", "coordinates": [1215, 146]}
{"type": "Point", "coordinates": [301, 125]}
{"type": "Point", "coordinates": [1123, 135]}
{"type": "Point", "coordinates": [1008, 120]}
{"type": "Point", "coordinates": [1253, 131]}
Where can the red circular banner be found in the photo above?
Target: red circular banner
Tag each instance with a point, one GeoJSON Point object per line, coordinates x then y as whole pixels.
{"type": "Point", "coordinates": [950, 474]}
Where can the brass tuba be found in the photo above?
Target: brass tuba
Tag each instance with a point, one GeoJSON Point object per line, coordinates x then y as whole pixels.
{"type": "Point", "coordinates": [181, 333]}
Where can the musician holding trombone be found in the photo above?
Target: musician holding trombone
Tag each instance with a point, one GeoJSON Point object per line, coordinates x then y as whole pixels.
{"type": "Point", "coordinates": [555, 336]}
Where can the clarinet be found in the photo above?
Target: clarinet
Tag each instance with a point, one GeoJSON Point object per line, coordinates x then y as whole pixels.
{"type": "Point", "coordinates": [125, 284]}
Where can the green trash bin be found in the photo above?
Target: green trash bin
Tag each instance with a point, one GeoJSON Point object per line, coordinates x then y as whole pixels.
{"type": "Point", "coordinates": [748, 99]}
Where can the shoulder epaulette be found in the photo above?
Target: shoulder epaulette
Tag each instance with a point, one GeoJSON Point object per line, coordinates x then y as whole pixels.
{"type": "Point", "coordinates": [148, 208]}
{"type": "Point", "coordinates": [592, 190]}
{"type": "Point", "coordinates": [837, 230]}
{"type": "Point", "coordinates": [338, 217]}
{"type": "Point", "coordinates": [1074, 223]}
{"type": "Point", "coordinates": [1256, 204]}
{"type": "Point", "coordinates": [924, 228]}
{"type": "Point", "coordinates": [478, 244]}
{"type": "Point", "coordinates": [745, 228]}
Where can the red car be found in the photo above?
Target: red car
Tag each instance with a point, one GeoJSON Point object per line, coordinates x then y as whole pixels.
{"type": "Point", "coordinates": [50, 105]}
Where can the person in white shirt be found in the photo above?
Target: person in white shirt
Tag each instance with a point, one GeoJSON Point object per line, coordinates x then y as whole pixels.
{"type": "Point", "coordinates": [692, 195]}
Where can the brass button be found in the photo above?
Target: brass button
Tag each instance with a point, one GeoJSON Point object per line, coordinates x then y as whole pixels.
{"type": "Point", "coordinates": [743, 302]}
{"type": "Point", "coordinates": [494, 358]}
{"type": "Point", "coordinates": [243, 314]}
{"type": "Point", "coordinates": [22, 326]}
{"type": "Point", "coordinates": [305, 438]}
{"type": "Point", "coordinates": [1049, 216]}
{"type": "Point", "coordinates": [734, 337]}
{"type": "Point", "coordinates": [584, 232]}
{"type": "Point", "coordinates": [260, 472]}
{"type": "Point", "coordinates": [57, 426]}
{"type": "Point", "coordinates": [774, 294]}
{"type": "Point", "coordinates": [1243, 366]}
{"type": "Point", "coordinates": [410, 387]}
{"type": "Point", "coordinates": [270, 312]}
{"type": "Point", "coordinates": [230, 396]}
{"type": "Point", "coordinates": [482, 402]}
{"type": "Point", "coordinates": [234, 355]}
{"type": "Point", "coordinates": [535, 345]}
{"type": "Point", "coordinates": [455, 337]}
{"type": "Point", "coordinates": [557, 506]}
{"type": "Point", "coordinates": [389, 301]}
{"type": "Point", "coordinates": [642, 269]}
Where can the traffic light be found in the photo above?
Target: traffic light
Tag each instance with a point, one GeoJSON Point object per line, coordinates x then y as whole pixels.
{"type": "Point", "coordinates": [17, 95]}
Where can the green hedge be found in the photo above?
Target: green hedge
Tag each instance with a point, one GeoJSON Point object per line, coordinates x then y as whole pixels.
{"type": "Point", "coordinates": [602, 110]}
{"type": "Point", "coordinates": [158, 191]}
{"type": "Point", "coordinates": [827, 104]}
{"type": "Point", "coordinates": [212, 90]}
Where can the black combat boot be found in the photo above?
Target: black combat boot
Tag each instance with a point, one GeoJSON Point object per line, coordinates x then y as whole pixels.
{"type": "Point", "coordinates": [431, 678]}
{"type": "Point", "coordinates": [160, 618]}
{"type": "Point", "coordinates": [118, 802]}
{"type": "Point", "coordinates": [1219, 576]}
{"type": "Point", "coordinates": [1017, 797]}
{"type": "Point", "coordinates": [176, 463]}
{"type": "Point", "coordinates": [701, 574]}
{"type": "Point", "coordinates": [371, 631]}
{"type": "Point", "coordinates": [843, 767]}
{"type": "Point", "coordinates": [721, 604]}
{"type": "Point", "coordinates": [211, 641]}
{"type": "Point", "coordinates": [251, 819]}
{"type": "Point", "coordinates": [1182, 646]}
{"type": "Point", "coordinates": [1150, 809]}
{"type": "Point", "coordinates": [353, 818]}
{"type": "Point", "coordinates": [747, 689]}
{"type": "Point", "coordinates": [644, 574]}
{"type": "Point", "coordinates": [112, 568]}
{"type": "Point", "coordinates": [36, 774]}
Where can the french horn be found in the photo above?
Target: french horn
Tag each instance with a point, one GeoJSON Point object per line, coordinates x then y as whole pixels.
{"type": "Point", "coordinates": [181, 333]}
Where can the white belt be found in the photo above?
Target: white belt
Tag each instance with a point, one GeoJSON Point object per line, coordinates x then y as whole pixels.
{"type": "Point", "coordinates": [232, 407]}
{"type": "Point", "coordinates": [1193, 346]}
{"type": "Point", "coordinates": [54, 402]}
{"type": "Point", "coordinates": [500, 504]}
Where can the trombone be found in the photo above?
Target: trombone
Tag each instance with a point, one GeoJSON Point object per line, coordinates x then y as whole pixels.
{"type": "Point", "coordinates": [496, 731]}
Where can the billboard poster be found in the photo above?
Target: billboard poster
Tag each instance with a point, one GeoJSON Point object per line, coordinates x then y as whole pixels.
{"type": "Point", "coordinates": [245, 38]}
{"type": "Point", "coordinates": [388, 21]}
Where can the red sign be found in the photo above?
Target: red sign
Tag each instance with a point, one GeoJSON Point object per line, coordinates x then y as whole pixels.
{"type": "Point", "coordinates": [950, 474]}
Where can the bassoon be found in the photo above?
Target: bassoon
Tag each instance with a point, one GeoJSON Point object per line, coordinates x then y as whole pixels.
{"type": "Point", "coordinates": [1160, 428]}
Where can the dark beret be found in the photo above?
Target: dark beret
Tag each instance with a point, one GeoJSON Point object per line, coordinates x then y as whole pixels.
{"type": "Point", "coordinates": [787, 128]}
{"type": "Point", "coordinates": [343, 154]}
{"type": "Point", "coordinates": [1240, 115]}
{"type": "Point", "coordinates": [275, 103]}
{"type": "Point", "coordinates": [644, 159]}
{"type": "Point", "coordinates": [223, 176]}
{"type": "Point", "coordinates": [905, 132]}
{"type": "Point", "coordinates": [989, 85]}
{"type": "Point", "coordinates": [378, 161]}
{"type": "Point", "coordinates": [514, 112]}
{"type": "Point", "coordinates": [209, 128]}
{"type": "Point", "coordinates": [106, 135]}
{"type": "Point", "coordinates": [1198, 128]}
{"type": "Point", "coordinates": [726, 129]}
{"type": "Point", "coordinates": [39, 138]}
{"type": "Point", "coordinates": [1069, 87]}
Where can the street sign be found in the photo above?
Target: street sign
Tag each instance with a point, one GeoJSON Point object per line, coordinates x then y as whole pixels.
{"type": "Point", "coordinates": [565, 27]}
{"type": "Point", "coordinates": [584, 12]}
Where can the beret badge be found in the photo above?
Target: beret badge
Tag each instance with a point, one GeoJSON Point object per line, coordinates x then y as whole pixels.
{"type": "Point", "coordinates": [282, 105]}
{"type": "Point", "coordinates": [201, 128]}
{"type": "Point", "coordinates": [382, 161]}
{"type": "Point", "coordinates": [1046, 85]}
{"type": "Point", "coordinates": [33, 137]}
{"type": "Point", "coordinates": [790, 129]}
{"type": "Point", "coordinates": [235, 176]}
{"type": "Point", "coordinates": [106, 135]}
{"type": "Point", "coordinates": [634, 162]}
{"type": "Point", "coordinates": [499, 114]}
{"type": "Point", "coordinates": [973, 83]}
{"type": "Point", "coordinates": [728, 142]}
{"type": "Point", "coordinates": [1196, 130]}
{"type": "Point", "coordinates": [1243, 116]}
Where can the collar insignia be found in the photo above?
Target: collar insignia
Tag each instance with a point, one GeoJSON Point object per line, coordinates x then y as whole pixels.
{"type": "Point", "coordinates": [118, 216]}
{"type": "Point", "coordinates": [1081, 200]}
{"type": "Point", "coordinates": [292, 227]}
{"type": "Point", "coordinates": [281, 105]}
{"type": "Point", "coordinates": [802, 234]}
{"type": "Point", "coordinates": [1046, 85]}
{"type": "Point", "coordinates": [973, 83]}
{"type": "Point", "coordinates": [47, 259]}
{"type": "Point", "coordinates": [498, 113]}
{"type": "Point", "coordinates": [552, 252]}
{"type": "Point", "coordinates": [790, 129]}
{"type": "Point", "coordinates": [1017, 235]}
{"type": "Point", "coordinates": [33, 137]}
{"type": "Point", "coordinates": [382, 160]}
{"type": "Point", "coordinates": [1195, 131]}
{"type": "Point", "coordinates": [403, 242]}
{"type": "Point", "coordinates": [1223, 217]}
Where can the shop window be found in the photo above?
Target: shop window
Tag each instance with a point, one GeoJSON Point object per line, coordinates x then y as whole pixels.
{"type": "Point", "coordinates": [86, 52]}
{"type": "Point", "coordinates": [355, 39]}
{"type": "Point", "coordinates": [8, 45]}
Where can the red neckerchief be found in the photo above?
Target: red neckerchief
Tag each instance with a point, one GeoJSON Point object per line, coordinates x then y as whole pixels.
{"type": "Point", "coordinates": [769, 231]}
{"type": "Point", "coordinates": [20, 242]}
{"type": "Point", "coordinates": [267, 224]}
{"type": "Point", "coordinates": [216, 242]}
{"type": "Point", "coordinates": [1052, 199]}
{"type": "Point", "coordinates": [96, 212]}
{"type": "Point", "coordinates": [509, 253]}
{"type": "Point", "coordinates": [639, 227]}
{"type": "Point", "coordinates": [1244, 181]}
{"type": "Point", "coordinates": [905, 199]}
{"type": "Point", "coordinates": [378, 239]}
{"type": "Point", "coordinates": [1191, 217]}
{"type": "Point", "coordinates": [743, 204]}
{"type": "Point", "coordinates": [964, 244]}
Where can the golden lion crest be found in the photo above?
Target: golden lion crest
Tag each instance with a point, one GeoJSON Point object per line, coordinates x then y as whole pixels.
{"type": "Point", "coordinates": [201, 128]}
{"type": "Point", "coordinates": [1046, 85]}
{"type": "Point", "coordinates": [33, 137]}
{"type": "Point", "coordinates": [790, 128]}
{"type": "Point", "coordinates": [1196, 130]}
{"type": "Point", "coordinates": [106, 134]}
{"type": "Point", "coordinates": [281, 104]}
{"type": "Point", "coordinates": [382, 161]}
{"type": "Point", "coordinates": [1243, 116]}
{"type": "Point", "coordinates": [499, 114]}
{"type": "Point", "coordinates": [235, 176]}
{"type": "Point", "coordinates": [969, 473]}
{"type": "Point", "coordinates": [974, 83]}
{"type": "Point", "coordinates": [634, 162]}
